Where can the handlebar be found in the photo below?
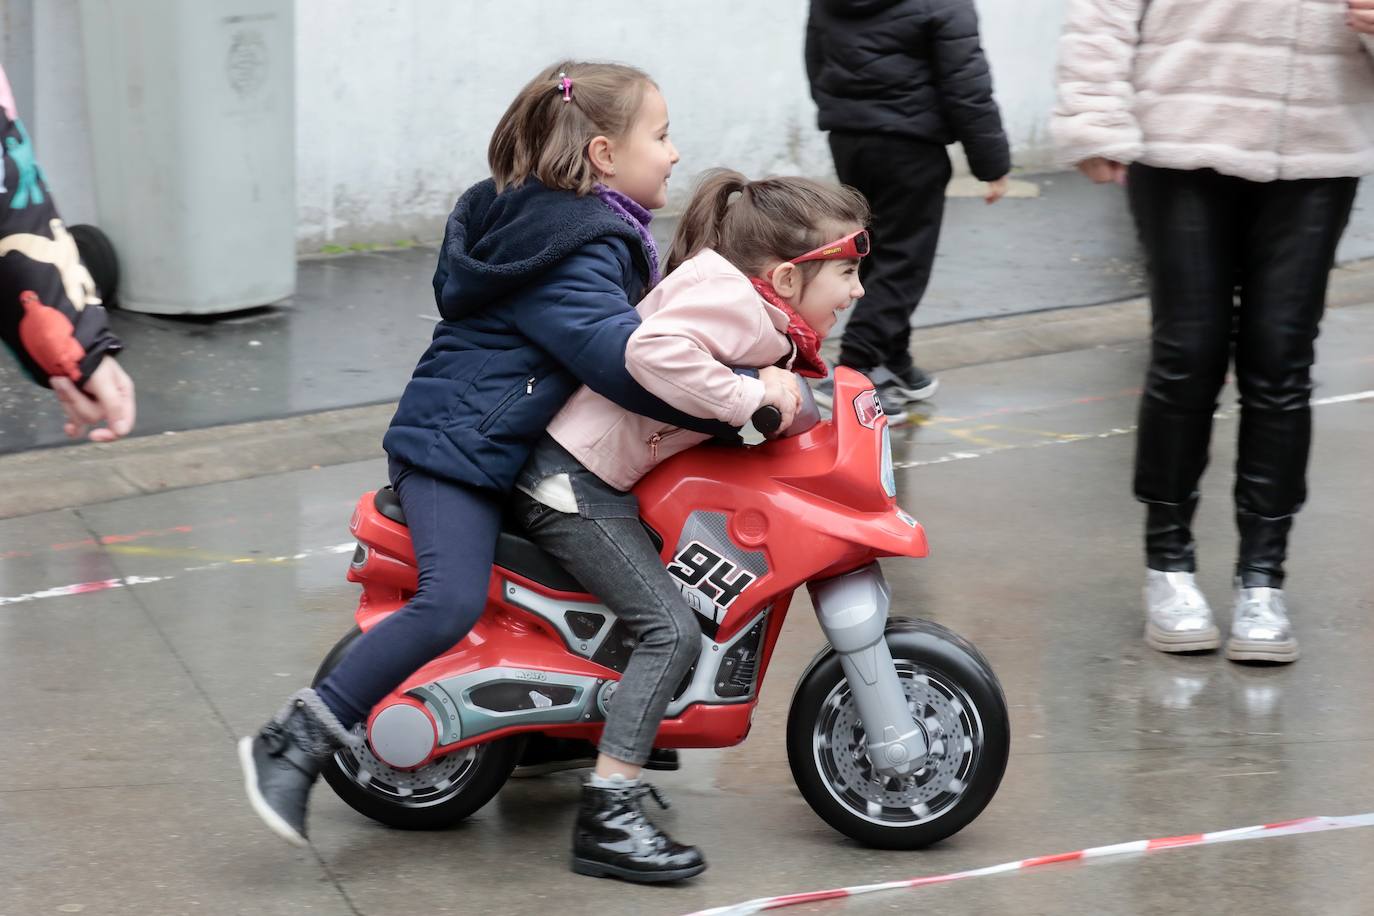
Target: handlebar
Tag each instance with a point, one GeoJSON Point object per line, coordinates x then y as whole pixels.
{"type": "Point", "coordinates": [767, 419]}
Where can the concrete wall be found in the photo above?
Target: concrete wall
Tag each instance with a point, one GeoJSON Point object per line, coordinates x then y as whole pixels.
{"type": "Point", "coordinates": [396, 98]}
{"type": "Point", "coordinates": [1020, 38]}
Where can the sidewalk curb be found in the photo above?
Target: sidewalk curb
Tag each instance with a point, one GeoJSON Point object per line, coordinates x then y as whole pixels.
{"type": "Point", "coordinates": [80, 475]}
{"type": "Point", "coordinates": [1026, 334]}
{"type": "Point", "coordinates": [995, 340]}
{"type": "Point", "coordinates": [45, 480]}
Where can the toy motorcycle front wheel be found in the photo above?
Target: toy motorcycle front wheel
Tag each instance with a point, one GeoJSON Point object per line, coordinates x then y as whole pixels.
{"type": "Point", "coordinates": [954, 697]}
{"type": "Point", "coordinates": [439, 794]}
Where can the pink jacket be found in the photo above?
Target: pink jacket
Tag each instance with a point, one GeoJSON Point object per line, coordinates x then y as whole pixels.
{"type": "Point", "coordinates": [703, 319]}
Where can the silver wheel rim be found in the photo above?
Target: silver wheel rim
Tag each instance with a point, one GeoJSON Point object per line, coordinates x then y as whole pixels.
{"type": "Point", "coordinates": [953, 731]}
{"type": "Point", "coordinates": [423, 787]}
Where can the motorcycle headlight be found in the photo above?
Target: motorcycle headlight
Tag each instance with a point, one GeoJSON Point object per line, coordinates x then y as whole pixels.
{"type": "Point", "coordinates": [885, 471]}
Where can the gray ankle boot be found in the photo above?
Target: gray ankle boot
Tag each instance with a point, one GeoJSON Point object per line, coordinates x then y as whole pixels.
{"type": "Point", "coordinates": [281, 763]}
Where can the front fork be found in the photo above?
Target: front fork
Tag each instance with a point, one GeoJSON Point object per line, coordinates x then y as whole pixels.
{"type": "Point", "coordinates": [852, 609]}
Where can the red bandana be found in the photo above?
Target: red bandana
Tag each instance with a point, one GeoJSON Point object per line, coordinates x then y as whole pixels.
{"type": "Point", "coordinates": [802, 335]}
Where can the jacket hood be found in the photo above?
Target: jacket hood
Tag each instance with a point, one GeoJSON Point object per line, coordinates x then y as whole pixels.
{"type": "Point", "coordinates": [495, 244]}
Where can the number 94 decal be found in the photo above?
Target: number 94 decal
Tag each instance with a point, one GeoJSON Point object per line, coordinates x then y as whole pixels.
{"type": "Point", "coordinates": [698, 566]}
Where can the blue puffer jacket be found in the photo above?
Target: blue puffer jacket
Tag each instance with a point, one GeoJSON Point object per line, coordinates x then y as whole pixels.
{"type": "Point", "coordinates": [535, 287]}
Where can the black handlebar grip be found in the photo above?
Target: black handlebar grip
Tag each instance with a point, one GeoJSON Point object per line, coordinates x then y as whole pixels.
{"type": "Point", "coordinates": [767, 419]}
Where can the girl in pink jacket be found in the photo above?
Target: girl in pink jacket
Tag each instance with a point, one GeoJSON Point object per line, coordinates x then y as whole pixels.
{"type": "Point", "coordinates": [758, 272]}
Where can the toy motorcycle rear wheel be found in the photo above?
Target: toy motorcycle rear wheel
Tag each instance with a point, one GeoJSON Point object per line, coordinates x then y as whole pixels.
{"type": "Point", "coordinates": [437, 795]}
{"type": "Point", "coordinates": [958, 702]}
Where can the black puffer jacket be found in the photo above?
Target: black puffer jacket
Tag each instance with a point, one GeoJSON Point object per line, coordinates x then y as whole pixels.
{"type": "Point", "coordinates": [913, 68]}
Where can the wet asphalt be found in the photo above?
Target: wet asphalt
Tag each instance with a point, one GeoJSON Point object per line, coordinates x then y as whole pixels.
{"type": "Point", "coordinates": [121, 704]}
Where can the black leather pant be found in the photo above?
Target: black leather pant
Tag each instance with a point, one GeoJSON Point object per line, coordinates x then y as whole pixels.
{"type": "Point", "coordinates": [1208, 237]}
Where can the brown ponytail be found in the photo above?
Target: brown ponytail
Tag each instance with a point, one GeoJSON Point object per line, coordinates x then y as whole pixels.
{"type": "Point", "coordinates": [543, 136]}
{"type": "Point", "coordinates": [699, 226]}
{"type": "Point", "coordinates": [771, 220]}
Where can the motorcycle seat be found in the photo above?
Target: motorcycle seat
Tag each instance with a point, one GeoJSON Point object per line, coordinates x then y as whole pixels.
{"type": "Point", "coordinates": [514, 551]}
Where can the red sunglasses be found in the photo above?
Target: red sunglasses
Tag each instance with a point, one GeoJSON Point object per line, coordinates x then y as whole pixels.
{"type": "Point", "coordinates": [850, 248]}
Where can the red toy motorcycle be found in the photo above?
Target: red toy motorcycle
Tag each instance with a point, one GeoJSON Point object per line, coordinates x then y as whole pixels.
{"type": "Point", "coordinates": [897, 734]}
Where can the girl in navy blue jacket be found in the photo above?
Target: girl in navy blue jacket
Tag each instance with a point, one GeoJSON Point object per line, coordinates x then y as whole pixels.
{"type": "Point", "coordinates": [539, 271]}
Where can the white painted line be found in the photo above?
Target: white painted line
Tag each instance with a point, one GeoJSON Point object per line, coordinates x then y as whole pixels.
{"type": "Point", "coordinates": [80, 588]}
{"type": "Point", "coordinates": [965, 455]}
{"type": "Point", "coordinates": [1344, 398]}
{"type": "Point", "coordinates": [101, 585]}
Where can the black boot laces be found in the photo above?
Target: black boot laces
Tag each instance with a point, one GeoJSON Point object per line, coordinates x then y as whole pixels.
{"type": "Point", "coordinates": [633, 799]}
{"type": "Point", "coordinates": [634, 796]}
{"type": "Point", "coordinates": [651, 790]}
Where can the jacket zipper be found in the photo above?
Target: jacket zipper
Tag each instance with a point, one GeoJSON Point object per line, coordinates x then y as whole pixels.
{"type": "Point", "coordinates": [505, 403]}
{"type": "Point", "coordinates": [658, 437]}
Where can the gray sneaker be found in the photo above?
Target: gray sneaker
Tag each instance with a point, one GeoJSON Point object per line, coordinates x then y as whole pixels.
{"type": "Point", "coordinates": [1260, 631]}
{"type": "Point", "coordinates": [1177, 618]}
{"type": "Point", "coordinates": [891, 392]}
{"type": "Point", "coordinates": [916, 385]}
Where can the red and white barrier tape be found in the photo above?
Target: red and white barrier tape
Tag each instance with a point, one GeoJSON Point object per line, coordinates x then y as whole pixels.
{"type": "Point", "coordinates": [1284, 828]}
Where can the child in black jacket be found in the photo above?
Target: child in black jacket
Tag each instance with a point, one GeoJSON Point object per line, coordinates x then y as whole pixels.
{"type": "Point", "coordinates": [895, 82]}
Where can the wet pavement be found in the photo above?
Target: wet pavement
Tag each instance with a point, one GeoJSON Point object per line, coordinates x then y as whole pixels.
{"type": "Point", "coordinates": [357, 324]}
{"type": "Point", "coordinates": [139, 638]}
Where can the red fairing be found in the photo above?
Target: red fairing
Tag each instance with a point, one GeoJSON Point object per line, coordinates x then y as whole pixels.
{"type": "Point", "coordinates": [782, 514]}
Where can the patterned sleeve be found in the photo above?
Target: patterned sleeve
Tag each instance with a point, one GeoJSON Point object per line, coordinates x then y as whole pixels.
{"type": "Point", "coordinates": [51, 316]}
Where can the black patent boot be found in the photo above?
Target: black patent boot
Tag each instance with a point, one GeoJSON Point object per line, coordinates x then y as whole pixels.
{"type": "Point", "coordinates": [613, 838]}
{"type": "Point", "coordinates": [544, 755]}
{"type": "Point", "coordinates": [281, 763]}
{"type": "Point", "coordinates": [663, 759]}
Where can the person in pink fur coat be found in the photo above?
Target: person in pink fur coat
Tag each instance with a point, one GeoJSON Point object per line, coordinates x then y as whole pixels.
{"type": "Point", "coordinates": [1240, 129]}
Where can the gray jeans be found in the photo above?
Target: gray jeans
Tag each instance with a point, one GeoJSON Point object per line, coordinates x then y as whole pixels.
{"type": "Point", "coordinates": [614, 558]}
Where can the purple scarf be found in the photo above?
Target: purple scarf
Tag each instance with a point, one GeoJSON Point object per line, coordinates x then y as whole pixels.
{"type": "Point", "coordinates": [639, 220]}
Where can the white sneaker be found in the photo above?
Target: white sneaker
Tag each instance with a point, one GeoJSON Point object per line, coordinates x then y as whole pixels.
{"type": "Point", "coordinates": [1260, 630]}
{"type": "Point", "coordinates": [1177, 618]}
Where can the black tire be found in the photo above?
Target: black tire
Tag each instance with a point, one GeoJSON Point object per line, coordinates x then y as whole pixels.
{"type": "Point", "coordinates": [475, 775]}
{"type": "Point", "coordinates": [957, 687]}
{"type": "Point", "coordinates": [98, 254]}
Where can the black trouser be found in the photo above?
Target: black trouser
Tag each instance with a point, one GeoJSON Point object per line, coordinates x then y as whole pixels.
{"type": "Point", "coordinates": [1206, 236]}
{"type": "Point", "coordinates": [904, 181]}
